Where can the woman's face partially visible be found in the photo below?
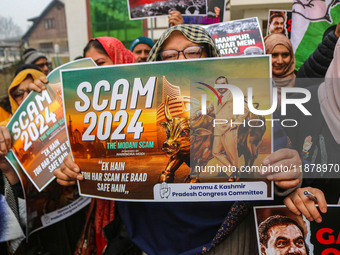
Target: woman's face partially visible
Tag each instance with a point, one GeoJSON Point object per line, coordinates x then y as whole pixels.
{"type": "Point", "coordinates": [177, 41]}
{"type": "Point", "coordinates": [20, 92]}
{"type": "Point", "coordinates": [280, 59]}
{"type": "Point", "coordinates": [101, 59]}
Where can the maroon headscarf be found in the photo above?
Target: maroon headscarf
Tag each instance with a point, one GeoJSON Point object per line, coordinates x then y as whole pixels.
{"type": "Point", "coordinates": [116, 50]}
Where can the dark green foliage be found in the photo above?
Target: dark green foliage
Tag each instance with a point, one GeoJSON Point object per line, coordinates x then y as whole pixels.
{"type": "Point", "coordinates": [111, 18]}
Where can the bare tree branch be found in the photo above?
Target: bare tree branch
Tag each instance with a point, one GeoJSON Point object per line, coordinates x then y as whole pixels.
{"type": "Point", "coordinates": [8, 29]}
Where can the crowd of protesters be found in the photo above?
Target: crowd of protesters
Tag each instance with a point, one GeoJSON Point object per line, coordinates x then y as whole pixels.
{"type": "Point", "coordinates": [190, 227]}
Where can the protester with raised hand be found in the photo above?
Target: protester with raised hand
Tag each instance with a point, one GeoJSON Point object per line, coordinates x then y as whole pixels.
{"type": "Point", "coordinates": [175, 18]}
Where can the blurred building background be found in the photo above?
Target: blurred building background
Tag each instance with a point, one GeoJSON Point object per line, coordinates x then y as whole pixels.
{"type": "Point", "coordinates": [110, 18]}
{"type": "Point", "coordinates": [48, 33]}
{"type": "Point", "coordinates": [64, 27]}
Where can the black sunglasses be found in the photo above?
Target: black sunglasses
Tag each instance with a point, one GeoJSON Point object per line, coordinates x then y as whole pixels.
{"type": "Point", "coordinates": [42, 65]}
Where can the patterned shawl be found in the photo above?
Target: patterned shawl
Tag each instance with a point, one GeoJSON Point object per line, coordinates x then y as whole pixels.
{"type": "Point", "coordinates": [194, 34]}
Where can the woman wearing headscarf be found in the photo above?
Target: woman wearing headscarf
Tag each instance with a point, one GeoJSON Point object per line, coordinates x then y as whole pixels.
{"type": "Point", "coordinates": [181, 227]}
{"type": "Point", "coordinates": [171, 228]}
{"type": "Point", "coordinates": [18, 91]}
{"type": "Point", "coordinates": [106, 51]}
{"type": "Point", "coordinates": [59, 238]}
{"type": "Point", "coordinates": [283, 66]}
{"type": "Point", "coordinates": [26, 73]}
{"type": "Point", "coordinates": [10, 187]}
{"type": "Point", "coordinates": [283, 59]}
